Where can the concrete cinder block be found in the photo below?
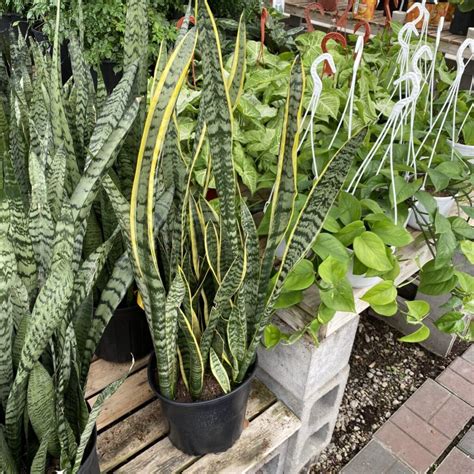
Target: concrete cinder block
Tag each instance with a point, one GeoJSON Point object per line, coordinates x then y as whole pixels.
{"type": "Point", "coordinates": [298, 371]}
{"type": "Point", "coordinates": [318, 415]}
{"type": "Point", "coordinates": [275, 463]}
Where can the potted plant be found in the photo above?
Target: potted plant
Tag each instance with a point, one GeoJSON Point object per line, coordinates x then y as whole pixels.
{"type": "Point", "coordinates": [48, 330]}
{"type": "Point", "coordinates": [204, 286]}
{"type": "Point", "coordinates": [463, 17]}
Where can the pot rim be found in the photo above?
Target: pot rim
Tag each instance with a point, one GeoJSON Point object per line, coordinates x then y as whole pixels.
{"type": "Point", "coordinates": [151, 380]}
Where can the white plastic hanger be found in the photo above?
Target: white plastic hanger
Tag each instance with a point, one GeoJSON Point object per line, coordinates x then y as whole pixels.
{"type": "Point", "coordinates": [313, 104]}
{"type": "Point", "coordinates": [359, 49]}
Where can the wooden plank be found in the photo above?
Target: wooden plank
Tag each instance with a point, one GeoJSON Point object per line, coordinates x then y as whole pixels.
{"type": "Point", "coordinates": [102, 373]}
{"type": "Point", "coordinates": [130, 436]}
{"type": "Point", "coordinates": [264, 436]}
{"type": "Point", "coordinates": [164, 457]}
{"type": "Point", "coordinates": [134, 392]}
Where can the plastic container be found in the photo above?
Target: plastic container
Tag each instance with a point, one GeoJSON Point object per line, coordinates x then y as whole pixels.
{"type": "Point", "coordinates": [127, 333]}
{"type": "Point", "coordinates": [464, 150]}
{"type": "Point", "coordinates": [445, 204]}
{"type": "Point", "coordinates": [90, 460]}
{"type": "Point", "coordinates": [211, 426]}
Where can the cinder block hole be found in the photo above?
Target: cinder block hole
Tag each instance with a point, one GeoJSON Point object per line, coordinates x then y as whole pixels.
{"type": "Point", "coordinates": [322, 406]}
{"type": "Point", "coordinates": [271, 466]}
{"type": "Point", "coordinates": [315, 444]}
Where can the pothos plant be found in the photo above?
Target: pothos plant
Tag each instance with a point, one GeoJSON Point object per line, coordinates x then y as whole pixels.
{"type": "Point", "coordinates": [450, 240]}
{"type": "Point", "coordinates": [202, 279]}
{"type": "Point", "coordinates": [48, 332]}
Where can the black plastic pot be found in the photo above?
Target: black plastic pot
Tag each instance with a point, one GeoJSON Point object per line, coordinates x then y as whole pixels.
{"type": "Point", "coordinates": [127, 333]}
{"type": "Point", "coordinates": [204, 427]}
{"type": "Point", "coordinates": [462, 21]}
{"type": "Point", "coordinates": [90, 460]}
{"type": "Point", "coordinates": [110, 75]}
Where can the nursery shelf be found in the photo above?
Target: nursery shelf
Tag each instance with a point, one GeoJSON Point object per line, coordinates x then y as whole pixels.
{"type": "Point", "coordinates": [132, 433]}
{"type": "Point", "coordinates": [295, 8]}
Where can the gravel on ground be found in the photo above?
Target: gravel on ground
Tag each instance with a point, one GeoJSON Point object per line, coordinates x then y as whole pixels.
{"type": "Point", "coordinates": [384, 373]}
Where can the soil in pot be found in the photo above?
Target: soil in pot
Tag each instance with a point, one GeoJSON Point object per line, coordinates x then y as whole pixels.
{"type": "Point", "coordinates": [209, 426]}
{"type": "Point", "coordinates": [127, 333]}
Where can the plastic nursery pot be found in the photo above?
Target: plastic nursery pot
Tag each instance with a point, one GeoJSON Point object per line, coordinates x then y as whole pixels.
{"type": "Point", "coordinates": [110, 75]}
{"type": "Point", "coordinates": [127, 333]}
{"type": "Point", "coordinates": [462, 21]}
{"type": "Point", "coordinates": [211, 426]}
{"type": "Point", "coordinates": [464, 150]}
{"type": "Point", "coordinates": [419, 213]}
{"type": "Point", "coordinates": [90, 460]}
{"type": "Point", "coordinates": [360, 281]}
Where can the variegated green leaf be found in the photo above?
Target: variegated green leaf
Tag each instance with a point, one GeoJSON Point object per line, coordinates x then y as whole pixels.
{"type": "Point", "coordinates": [41, 407]}
{"type": "Point", "coordinates": [38, 466]}
{"type": "Point", "coordinates": [95, 412]}
{"type": "Point", "coordinates": [216, 106]}
{"type": "Point", "coordinates": [120, 280]}
{"type": "Point", "coordinates": [238, 69]}
{"type": "Point", "coordinates": [219, 372]}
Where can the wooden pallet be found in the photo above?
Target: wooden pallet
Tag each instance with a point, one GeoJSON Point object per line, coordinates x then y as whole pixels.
{"type": "Point", "coordinates": [133, 433]}
{"type": "Point", "coordinates": [295, 8]}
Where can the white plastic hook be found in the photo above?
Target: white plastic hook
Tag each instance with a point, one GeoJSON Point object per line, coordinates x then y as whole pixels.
{"type": "Point", "coordinates": [414, 90]}
{"type": "Point", "coordinates": [421, 7]}
{"type": "Point", "coordinates": [424, 50]}
{"type": "Point", "coordinates": [313, 104]}
{"type": "Point", "coordinates": [467, 43]}
{"type": "Point", "coordinates": [359, 49]}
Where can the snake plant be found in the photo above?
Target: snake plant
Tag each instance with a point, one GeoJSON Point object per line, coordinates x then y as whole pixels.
{"type": "Point", "coordinates": [56, 145]}
{"type": "Point", "coordinates": [207, 289]}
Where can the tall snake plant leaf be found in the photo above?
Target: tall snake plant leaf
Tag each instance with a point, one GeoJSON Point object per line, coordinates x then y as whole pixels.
{"type": "Point", "coordinates": [238, 68]}
{"type": "Point", "coordinates": [7, 461]}
{"type": "Point", "coordinates": [142, 235]}
{"type": "Point", "coordinates": [41, 407]}
{"type": "Point", "coordinates": [120, 280]}
{"type": "Point", "coordinates": [229, 286]}
{"type": "Point", "coordinates": [83, 87]}
{"type": "Point", "coordinates": [196, 363]}
{"type": "Point", "coordinates": [7, 270]}
{"type": "Point", "coordinates": [88, 273]}
{"type": "Point", "coordinates": [308, 225]}
{"type": "Point", "coordinates": [135, 50]}
{"type": "Point", "coordinates": [18, 232]}
{"type": "Point", "coordinates": [91, 422]}
{"type": "Point", "coordinates": [219, 371]}
{"type": "Point", "coordinates": [61, 133]}
{"type": "Point", "coordinates": [216, 106]}
{"type": "Point", "coordinates": [249, 291]}
{"type": "Point", "coordinates": [41, 224]}
{"type": "Point", "coordinates": [48, 312]}
{"type": "Point", "coordinates": [55, 180]}
{"type": "Point", "coordinates": [284, 190]}
{"type": "Point", "coordinates": [38, 466]}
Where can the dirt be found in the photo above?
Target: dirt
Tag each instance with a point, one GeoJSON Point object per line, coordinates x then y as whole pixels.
{"type": "Point", "coordinates": [384, 373]}
{"type": "Point", "coordinates": [210, 391]}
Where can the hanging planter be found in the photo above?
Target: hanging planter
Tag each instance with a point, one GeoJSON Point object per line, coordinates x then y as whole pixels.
{"type": "Point", "coordinates": [420, 215]}
{"type": "Point", "coordinates": [464, 150]}
{"type": "Point", "coordinates": [202, 427]}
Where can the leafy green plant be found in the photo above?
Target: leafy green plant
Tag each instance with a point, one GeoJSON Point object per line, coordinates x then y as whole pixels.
{"type": "Point", "coordinates": [447, 238]}
{"type": "Point", "coordinates": [48, 331]}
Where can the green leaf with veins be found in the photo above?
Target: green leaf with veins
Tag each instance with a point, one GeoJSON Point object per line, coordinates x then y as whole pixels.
{"type": "Point", "coordinates": [419, 335]}
{"type": "Point", "coordinates": [381, 294]}
{"type": "Point", "coordinates": [370, 250]}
